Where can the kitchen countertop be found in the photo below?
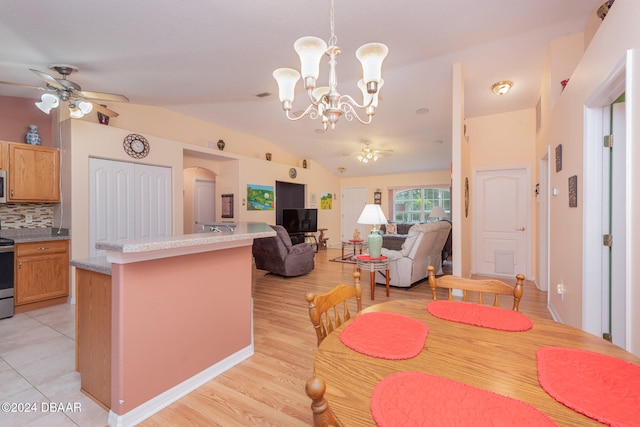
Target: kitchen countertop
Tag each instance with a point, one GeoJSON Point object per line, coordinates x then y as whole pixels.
{"type": "Point", "coordinates": [26, 235]}
{"type": "Point", "coordinates": [96, 264]}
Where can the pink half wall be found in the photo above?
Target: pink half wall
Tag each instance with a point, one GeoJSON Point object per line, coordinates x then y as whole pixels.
{"type": "Point", "coordinates": [175, 317]}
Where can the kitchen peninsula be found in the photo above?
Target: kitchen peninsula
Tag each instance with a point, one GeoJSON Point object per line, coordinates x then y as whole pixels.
{"type": "Point", "coordinates": [180, 314]}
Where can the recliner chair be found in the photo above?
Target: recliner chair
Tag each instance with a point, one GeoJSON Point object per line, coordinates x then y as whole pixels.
{"type": "Point", "coordinates": [279, 256]}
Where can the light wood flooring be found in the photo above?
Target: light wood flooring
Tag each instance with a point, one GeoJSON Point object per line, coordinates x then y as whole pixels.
{"type": "Point", "coordinates": [268, 388]}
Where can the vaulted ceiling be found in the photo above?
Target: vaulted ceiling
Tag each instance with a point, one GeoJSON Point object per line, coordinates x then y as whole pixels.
{"type": "Point", "coordinates": [210, 58]}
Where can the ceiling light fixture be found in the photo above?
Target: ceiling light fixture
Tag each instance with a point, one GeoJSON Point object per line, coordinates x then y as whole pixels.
{"type": "Point", "coordinates": [367, 154]}
{"type": "Point", "coordinates": [325, 101]}
{"type": "Point", "coordinates": [77, 108]}
{"type": "Point", "coordinates": [502, 87]}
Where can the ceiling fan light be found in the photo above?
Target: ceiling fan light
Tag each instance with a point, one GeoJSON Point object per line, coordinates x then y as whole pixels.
{"type": "Point", "coordinates": [85, 107]}
{"type": "Point", "coordinates": [43, 107]}
{"type": "Point", "coordinates": [371, 56]}
{"type": "Point", "coordinates": [74, 111]}
{"type": "Point", "coordinates": [48, 101]}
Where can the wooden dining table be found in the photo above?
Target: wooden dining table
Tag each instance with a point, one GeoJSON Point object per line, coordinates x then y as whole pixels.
{"type": "Point", "coordinates": [495, 360]}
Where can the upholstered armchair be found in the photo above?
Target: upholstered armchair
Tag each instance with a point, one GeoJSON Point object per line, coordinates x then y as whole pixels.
{"type": "Point", "coordinates": [279, 256]}
{"type": "Point", "coordinates": [423, 247]}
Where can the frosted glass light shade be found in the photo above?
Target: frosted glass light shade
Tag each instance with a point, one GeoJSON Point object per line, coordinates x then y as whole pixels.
{"type": "Point", "coordinates": [371, 56]}
{"type": "Point", "coordinates": [48, 102]}
{"type": "Point", "coordinates": [437, 212]}
{"type": "Point", "coordinates": [287, 79]}
{"type": "Point", "coordinates": [85, 107]}
{"type": "Point", "coordinates": [310, 49]}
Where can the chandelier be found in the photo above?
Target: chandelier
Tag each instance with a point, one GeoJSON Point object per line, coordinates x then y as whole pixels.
{"type": "Point", "coordinates": [325, 102]}
{"type": "Point", "coordinates": [367, 154]}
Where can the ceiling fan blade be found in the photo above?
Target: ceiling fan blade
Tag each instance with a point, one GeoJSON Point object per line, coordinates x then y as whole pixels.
{"type": "Point", "coordinates": [103, 96]}
{"type": "Point", "coordinates": [23, 85]}
{"type": "Point", "coordinates": [103, 110]}
{"type": "Point", "coordinates": [50, 80]}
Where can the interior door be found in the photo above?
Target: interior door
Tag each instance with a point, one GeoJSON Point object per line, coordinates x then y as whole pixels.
{"type": "Point", "coordinates": [501, 221]}
{"type": "Point", "coordinates": [204, 200]}
{"type": "Point", "coordinates": [353, 201]}
{"type": "Point", "coordinates": [614, 205]}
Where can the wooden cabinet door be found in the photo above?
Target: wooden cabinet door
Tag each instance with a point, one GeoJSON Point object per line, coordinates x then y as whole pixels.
{"type": "Point", "coordinates": [42, 271]}
{"type": "Point", "coordinates": [34, 174]}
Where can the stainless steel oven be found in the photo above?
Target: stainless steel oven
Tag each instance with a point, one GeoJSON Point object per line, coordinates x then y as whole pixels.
{"type": "Point", "coordinates": [6, 278]}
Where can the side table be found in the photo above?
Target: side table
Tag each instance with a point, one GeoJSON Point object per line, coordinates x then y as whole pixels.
{"type": "Point", "coordinates": [365, 262]}
{"type": "Point", "coordinates": [355, 244]}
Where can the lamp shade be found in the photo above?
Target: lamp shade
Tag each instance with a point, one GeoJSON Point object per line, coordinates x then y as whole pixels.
{"type": "Point", "coordinates": [371, 56]}
{"type": "Point", "coordinates": [48, 102]}
{"type": "Point", "coordinates": [287, 79]}
{"type": "Point", "coordinates": [437, 212]}
{"type": "Point", "coordinates": [310, 50]}
{"type": "Point", "coordinates": [372, 214]}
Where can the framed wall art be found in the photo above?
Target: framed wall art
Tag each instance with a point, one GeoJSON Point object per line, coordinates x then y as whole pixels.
{"type": "Point", "coordinates": [227, 206]}
{"type": "Point", "coordinates": [573, 191]}
{"type": "Point", "coordinates": [558, 157]}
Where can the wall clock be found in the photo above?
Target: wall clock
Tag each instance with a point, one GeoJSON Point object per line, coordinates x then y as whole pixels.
{"type": "Point", "coordinates": [293, 173]}
{"type": "Point", "coordinates": [377, 197]}
{"type": "Point", "coordinates": [136, 146]}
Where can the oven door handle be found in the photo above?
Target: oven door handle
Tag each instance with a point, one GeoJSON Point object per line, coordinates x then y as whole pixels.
{"type": "Point", "coordinates": [4, 249]}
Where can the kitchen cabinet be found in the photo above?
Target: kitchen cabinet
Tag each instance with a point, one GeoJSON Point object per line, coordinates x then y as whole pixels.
{"type": "Point", "coordinates": [41, 274]}
{"type": "Point", "coordinates": [33, 172]}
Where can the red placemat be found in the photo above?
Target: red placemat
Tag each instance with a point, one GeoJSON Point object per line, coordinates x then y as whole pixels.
{"type": "Point", "coordinates": [601, 387]}
{"type": "Point", "coordinates": [480, 315]}
{"type": "Point", "coordinates": [368, 258]}
{"type": "Point", "coordinates": [417, 399]}
{"type": "Point", "coordinates": [385, 335]}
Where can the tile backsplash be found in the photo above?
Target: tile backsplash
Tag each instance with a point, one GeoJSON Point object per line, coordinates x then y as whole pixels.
{"type": "Point", "coordinates": [16, 215]}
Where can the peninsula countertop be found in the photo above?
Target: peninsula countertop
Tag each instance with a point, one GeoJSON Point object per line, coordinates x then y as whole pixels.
{"type": "Point", "coordinates": [133, 250]}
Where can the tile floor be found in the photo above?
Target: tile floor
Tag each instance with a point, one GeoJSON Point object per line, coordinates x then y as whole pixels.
{"type": "Point", "coordinates": [37, 372]}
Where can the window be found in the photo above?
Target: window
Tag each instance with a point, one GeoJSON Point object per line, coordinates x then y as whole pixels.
{"type": "Point", "coordinates": [414, 205]}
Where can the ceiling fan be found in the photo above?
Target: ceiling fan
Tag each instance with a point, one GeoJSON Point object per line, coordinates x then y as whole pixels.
{"type": "Point", "coordinates": [62, 90]}
{"type": "Point", "coordinates": [368, 154]}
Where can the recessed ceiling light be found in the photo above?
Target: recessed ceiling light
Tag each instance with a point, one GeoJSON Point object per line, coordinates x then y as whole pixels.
{"type": "Point", "coordinates": [320, 130]}
{"type": "Point", "coordinates": [501, 87]}
{"type": "Point", "coordinates": [422, 111]}
{"type": "Point", "coordinates": [438, 142]}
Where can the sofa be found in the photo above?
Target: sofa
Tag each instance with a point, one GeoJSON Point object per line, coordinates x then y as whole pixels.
{"type": "Point", "coordinates": [279, 256]}
{"type": "Point", "coordinates": [395, 239]}
{"type": "Point", "coordinates": [422, 247]}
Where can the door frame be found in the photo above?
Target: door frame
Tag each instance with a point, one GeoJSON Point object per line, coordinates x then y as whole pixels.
{"type": "Point", "coordinates": [592, 265]}
{"type": "Point", "coordinates": [476, 218]}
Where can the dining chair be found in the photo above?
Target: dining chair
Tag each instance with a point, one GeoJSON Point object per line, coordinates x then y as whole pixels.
{"type": "Point", "coordinates": [481, 286]}
{"type": "Point", "coordinates": [328, 311]}
{"type": "Point", "coordinates": [323, 416]}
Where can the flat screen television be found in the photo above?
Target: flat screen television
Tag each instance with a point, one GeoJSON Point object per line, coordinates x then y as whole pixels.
{"type": "Point", "coordinates": [300, 220]}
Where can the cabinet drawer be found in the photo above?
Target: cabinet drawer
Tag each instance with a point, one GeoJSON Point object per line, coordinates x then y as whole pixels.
{"type": "Point", "coordinates": [41, 248]}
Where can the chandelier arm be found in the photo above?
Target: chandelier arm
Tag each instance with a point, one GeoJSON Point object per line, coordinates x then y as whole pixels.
{"type": "Point", "coordinates": [344, 99]}
{"type": "Point", "coordinates": [310, 111]}
{"type": "Point", "coordinates": [350, 113]}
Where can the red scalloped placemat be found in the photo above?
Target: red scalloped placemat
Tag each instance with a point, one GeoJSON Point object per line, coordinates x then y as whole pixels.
{"type": "Point", "coordinates": [480, 315]}
{"type": "Point", "coordinates": [601, 387]}
{"type": "Point", "coordinates": [410, 399]}
{"type": "Point", "coordinates": [385, 335]}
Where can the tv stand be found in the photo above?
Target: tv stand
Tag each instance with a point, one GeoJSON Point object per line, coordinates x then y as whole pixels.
{"type": "Point", "coordinates": [297, 238]}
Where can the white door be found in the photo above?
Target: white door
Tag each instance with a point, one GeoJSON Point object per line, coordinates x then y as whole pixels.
{"type": "Point", "coordinates": [614, 202]}
{"type": "Point", "coordinates": [501, 221]}
{"type": "Point", "coordinates": [127, 200]}
{"type": "Point", "coordinates": [353, 201]}
{"type": "Point", "coordinates": [204, 200]}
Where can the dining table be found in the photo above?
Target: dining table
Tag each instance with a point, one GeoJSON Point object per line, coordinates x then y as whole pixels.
{"type": "Point", "coordinates": [502, 362]}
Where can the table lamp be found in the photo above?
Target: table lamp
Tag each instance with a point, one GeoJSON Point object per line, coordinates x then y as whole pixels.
{"type": "Point", "coordinates": [373, 215]}
{"type": "Point", "coordinates": [437, 212]}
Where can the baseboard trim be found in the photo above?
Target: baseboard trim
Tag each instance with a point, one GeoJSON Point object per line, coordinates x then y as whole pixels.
{"type": "Point", "coordinates": [150, 407]}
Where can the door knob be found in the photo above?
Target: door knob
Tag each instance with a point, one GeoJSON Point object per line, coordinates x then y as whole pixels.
{"type": "Point", "coordinates": [520, 229]}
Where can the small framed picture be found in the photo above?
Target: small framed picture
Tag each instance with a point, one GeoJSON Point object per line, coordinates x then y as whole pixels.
{"type": "Point", "coordinates": [558, 157]}
{"type": "Point", "coordinates": [227, 206]}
